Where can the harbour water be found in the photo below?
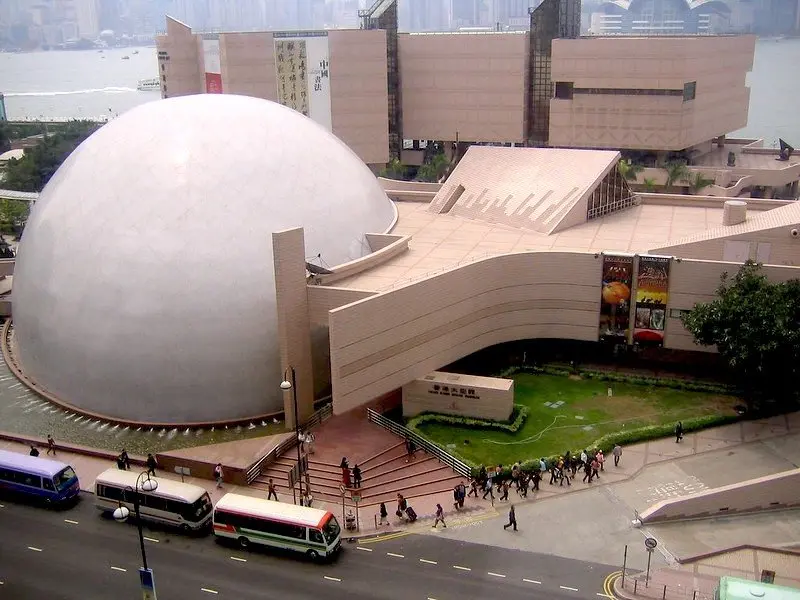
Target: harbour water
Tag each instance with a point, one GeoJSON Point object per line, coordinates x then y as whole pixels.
{"type": "Point", "coordinates": [90, 84]}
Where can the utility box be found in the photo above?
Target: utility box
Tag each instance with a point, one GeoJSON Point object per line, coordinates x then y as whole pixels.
{"type": "Point", "coordinates": [464, 395]}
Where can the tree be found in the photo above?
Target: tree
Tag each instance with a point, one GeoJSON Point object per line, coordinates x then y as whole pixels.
{"type": "Point", "coordinates": [649, 184]}
{"type": "Point", "coordinates": [676, 172]}
{"type": "Point", "coordinates": [698, 181]}
{"type": "Point", "coordinates": [394, 170]}
{"type": "Point", "coordinates": [433, 171]}
{"type": "Point", "coordinates": [629, 170]}
{"type": "Point", "coordinates": [755, 325]}
{"type": "Point", "coordinates": [13, 215]}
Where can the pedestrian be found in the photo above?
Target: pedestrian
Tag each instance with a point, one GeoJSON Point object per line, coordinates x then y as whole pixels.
{"type": "Point", "coordinates": [504, 490]}
{"type": "Point", "coordinates": [402, 505]}
{"type": "Point", "coordinates": [595, 469]}
{"type": "Point", "coordinates": [617, 452]}
{"type": "Point", "coordinates": [457, 497]}
{"type": "Point", "coordinates": [383, 514]}
{"type": "Point", "coordinates": [576, 462]}
{"type": "Point", "coordinates": [151, 465]}
{"type": "Point", "coordinates": [411, 448]}
{"type": "Point", "coordinates": [601, 459]}
{"type": "Point", "coordinates": [536, 478]}
{"type": "Point", "coordinates": [678, 433]}
{"type": "Point", "coordinates": [218, 474]}
{"type": "Point", "coordinates": [125, 459]}
{"type": "Point", "coordinates": [356, 476]}
{"type": "Point", "coordinates": [439, 516]}
{"type": "Point", "coordinates": [473, 487]}
{"type": "Point", "coordinates": [523, 485]}
{"type": "Point", "coordinates": [584, 458]}
{"type": "Point", "coordinates": [587, 472]}
{"type": "Point", "coordinates": [542, 465]}
{"type": "Point", "coordinates": [563, 474]}
{"type": "Point", "coordinates": [554, 472]}
{"type": "Point", "coordinates": [488, 490]}
{"type": "Point", "coordinates": [512, 518]}
{"type": "Point", "coordinates": [34, 451]}
{"type": "Point", "coordinates": [51, 445]}
{"type": "Point", "coordinates": [271, 493]}
{"type": "Point", "coordinates": [121, 463]}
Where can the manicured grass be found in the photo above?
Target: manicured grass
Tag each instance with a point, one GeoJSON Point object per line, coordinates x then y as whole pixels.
{"type": "Point", "coordinates": [586, 414]}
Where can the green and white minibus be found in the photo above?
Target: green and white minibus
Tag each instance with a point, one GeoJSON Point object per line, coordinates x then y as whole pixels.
{"type": "Point", "coordinates": [181, 505]}
{"type": "Point", "coordinates": [314, 532]}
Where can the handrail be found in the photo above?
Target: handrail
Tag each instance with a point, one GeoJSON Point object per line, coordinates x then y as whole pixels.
{"type": "Point", "coordinates": [317, 418]}
{"type": "Point", "coordinates": [459, 466]}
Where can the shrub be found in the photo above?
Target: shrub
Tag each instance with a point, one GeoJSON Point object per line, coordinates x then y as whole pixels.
{"type": "Point", "coordinates": [518, 416]}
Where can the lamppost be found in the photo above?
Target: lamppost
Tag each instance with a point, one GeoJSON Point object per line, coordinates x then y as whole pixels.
{"type": "Point", "coordinates": [122, 513]}
{"type": "Point", "coordinates": [287, 385]}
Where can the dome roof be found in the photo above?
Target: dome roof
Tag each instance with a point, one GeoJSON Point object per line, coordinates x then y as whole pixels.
{"type": "Point", "coordinates": [144, 285]}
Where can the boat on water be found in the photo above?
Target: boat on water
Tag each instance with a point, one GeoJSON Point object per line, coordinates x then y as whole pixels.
{"type": "Point", "coordinates": [135, 52]}
{"type": "Point", "coordinates": [126, 57]}
{"type": "Point", "coordinates": [149, 85]}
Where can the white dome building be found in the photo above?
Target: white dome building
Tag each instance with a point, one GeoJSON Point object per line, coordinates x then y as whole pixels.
{"type": "Point", "coordinates": [144, 285]}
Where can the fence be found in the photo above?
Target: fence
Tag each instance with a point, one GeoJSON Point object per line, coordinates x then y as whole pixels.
{"type": "Point", "coordinates": [459, 466]}
{"type": "Point", "coordinates": [320, 416]}
{"type": "Point", "coordinates": [657, 590]}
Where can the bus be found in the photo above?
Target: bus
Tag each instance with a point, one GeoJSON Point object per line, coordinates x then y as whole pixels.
{"type": "Point", "coordinates": [42, 479]}
{"type": "Point", "coordinates": [733, 588]}
{"type": "Point", "coordinates": [187, 507]}
{"type": "Point", "coordinates": [311, 531]}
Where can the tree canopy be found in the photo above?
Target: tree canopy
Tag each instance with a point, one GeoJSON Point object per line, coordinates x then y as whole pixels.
{"type": "Point", "coordinates": [755, 325]}
{"type": "Point", "coordinates": [433, 170]}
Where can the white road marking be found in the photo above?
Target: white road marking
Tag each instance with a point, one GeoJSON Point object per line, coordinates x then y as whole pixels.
{"type": "Point", "coordinates": [363, 549]}
{"type": "Point", "coordinates": [605, 595]}
{"type": "Point", "coordinates": [120, 569]}
{"type": "Point", "coordinates": [571, 589]}
{"type": "Point", "coordinates": [460, 568]}
{"type": "Point", "coordinates": [2, 505]}
{"type": "Point", "coordinates": [332, 578]}
{"type": "Point", "coordinates": [531, 581]}
{"type": "Point", "coordinates": [395, 555]}
{"type": "Point", "coordinates": [70, 521]}
{"type": "Point", "coordinates": [236, 558]}
{"type": "Point", "coordinates": [429, 598]}
{"type": "Point", "coordinates": [428, 562]}
{"type": "Point", "coordinates": [154, 540]}
{"type": "Point", "coordinates": [495, 574]}
{"type": "Point", "coordinates": [34, 549]}
{"type": "Point", "coordinates": [209, 591]}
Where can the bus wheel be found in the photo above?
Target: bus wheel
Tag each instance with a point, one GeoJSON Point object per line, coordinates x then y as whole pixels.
{"type": "Point", "coordinates": [243, 542]}
{"type": "Point", "coordinates": [313, 554]}
{"type": "Point", "coordinates": [185, 528]}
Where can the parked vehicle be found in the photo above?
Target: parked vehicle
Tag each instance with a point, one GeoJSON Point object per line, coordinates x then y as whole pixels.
{"type": "Point", "coordinates": [181, 505]}
{"type": "Point", "coordinates": [311, 531]}
{"type": "Point", "coordinates": [48, 480]}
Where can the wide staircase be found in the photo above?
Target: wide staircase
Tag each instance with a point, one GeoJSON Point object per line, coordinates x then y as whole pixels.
{"type": "Point", "coordinates": [384, 475]}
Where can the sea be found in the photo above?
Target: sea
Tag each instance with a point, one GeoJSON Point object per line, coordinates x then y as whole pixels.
{"type": "Point", "coordinates": [99, 85]}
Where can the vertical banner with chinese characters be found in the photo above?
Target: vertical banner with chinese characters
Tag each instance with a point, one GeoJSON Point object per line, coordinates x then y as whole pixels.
{"type": "Point", "coordinates": [213, 67]}
{"type": "Point", "coordinates": [652, 290]}
{"type": "Point", "coordinates": [302, 65]}
{"type": "Point", "coordinates": [615, 298]}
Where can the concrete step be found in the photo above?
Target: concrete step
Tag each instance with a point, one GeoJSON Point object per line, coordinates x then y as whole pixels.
{"type": "Point", "coordinates": [401, 470]}
{"type": "Point", "coordinates": [387, 454]}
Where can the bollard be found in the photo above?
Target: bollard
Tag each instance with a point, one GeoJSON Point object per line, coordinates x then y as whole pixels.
{"type": "Point", "coordinates": [635, 585]}
{"type": "Point", "coordinates": [376, 521]}
{"type": "Point", "coordinates": [664, 595]}
{"type": "Point", "coordinates": [694, 595]}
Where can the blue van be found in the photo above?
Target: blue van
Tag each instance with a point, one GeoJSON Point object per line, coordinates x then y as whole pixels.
{"type": "Point", "coordinates": [48, 480]}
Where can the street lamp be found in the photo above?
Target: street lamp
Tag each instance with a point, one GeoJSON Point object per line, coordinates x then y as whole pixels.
{"type": "Point", "coordinates": [122, 513]}
{"type": "Point", "coordinates": [287, 385]}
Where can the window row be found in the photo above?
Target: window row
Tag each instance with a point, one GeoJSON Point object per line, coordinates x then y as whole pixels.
{"type": "Point", "coordinates": [288, 530]}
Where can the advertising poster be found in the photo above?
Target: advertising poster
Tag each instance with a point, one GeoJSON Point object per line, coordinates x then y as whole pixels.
{"type": "Point", "coordinates": [615, 298]}
{"type": "Point", "coordinates": [652, 288]}
{"type": "Point", "coordinates": [302, 65]}
{"type": "Point", "coordinates": [213, 67]}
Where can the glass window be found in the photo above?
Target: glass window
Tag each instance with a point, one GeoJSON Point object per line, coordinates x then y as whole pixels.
{"type": "Point", "coordinates": [154, 502]}
{"type": "Point", "coordinates": [48, 485]}
{"type": "Point", "coordinates": [199, 509]}
{"type": "Point", "coordinates": [64, 478]}
{"type": "Point", "coordinates": [331, 530]}
{"type": "Point", "coordinates": [315, 536]}
{"type": "Point", "coordinates": [564, 90]}
{"type": "Point", "coordinates": [689, 91]}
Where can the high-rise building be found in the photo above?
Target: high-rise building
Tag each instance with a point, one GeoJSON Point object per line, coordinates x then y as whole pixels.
{"type": "Point", "coordinates": [87, 16]}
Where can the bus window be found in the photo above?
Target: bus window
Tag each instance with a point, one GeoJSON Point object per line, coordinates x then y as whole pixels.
{"type": "Point", "coordinates": [31, 481]}
{"type": "Point", "coordinates": [64, 478]}
{"type": "Point", "coordinates": [48, 485]}
{"type": "Point", "coordinates": [331, 529]}
{"type": "Point", "coordinates": [200, 508]}
{"type": "Point", "coordinates": [315, 536]}
{"type": "Point", "coordinates": [154, 502]}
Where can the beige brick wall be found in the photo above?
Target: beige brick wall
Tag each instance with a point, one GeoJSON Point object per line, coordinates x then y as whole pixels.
{"type": "Point", "coordinates": [473, 84]}
{"type": "Point", "coordinates": [248, 64]}
{"type": "Point", "coordinates": [184, 70]}
{"type": "Point", "coordinates": [463, 395]}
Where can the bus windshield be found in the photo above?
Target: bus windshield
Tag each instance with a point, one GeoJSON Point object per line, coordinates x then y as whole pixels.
{"type": "Point", "coordinates": [331, 530]}
{"type": "Point", "coordinates": [199, 509]}
{"type": "Point", "coordinates": [64, 478]}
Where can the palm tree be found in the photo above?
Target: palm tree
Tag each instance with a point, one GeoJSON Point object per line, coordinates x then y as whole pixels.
{"type": "Point", "coordinates": [698, 181]}
{"type": "Point", "coordinates": [433, 171]}
{"type": "Point", "coordinates": [629, 170]}
{"type": "Point", "coordinates": [649, 184]}
{"type": "Point", "coordinates": [676, 172]}
{"type": "Point", "coordinates": [394, 170]}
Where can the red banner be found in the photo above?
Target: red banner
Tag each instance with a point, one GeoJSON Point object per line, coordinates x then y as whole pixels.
{"type": "Point", "coordinates": [213, 83]}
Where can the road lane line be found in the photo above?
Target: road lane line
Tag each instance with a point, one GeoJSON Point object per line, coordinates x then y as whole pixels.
{"type": "Point", "coordinates": [363, 549]}
{"type": "Point", "coordinates": [209, 591]}
{"type": "Point", "coordinates": [428, 562]}
{"type": "Point", "coordinates": [395, 555]}
{"type": "Point", "coordinates": [605, 595]}
{"type": "Point", "coordinates": [120, 569]}
{"type": "Point", "coordinates": [332, 578]}
{"type": "Point", "coordinates": [460, 568]}
{"type": "Point", "coordinates": [2, 505]}
{"type": "Point", "coordinates": [236, 558]}
{"type": "Point", "coordinates": [154, 540]}
{"type": "Point", "coordinates": [34, 549]}
{"type": "Point", "coordinates": [70, 521]}
{"type": "Point", "coordinates": [531, 581]}
{"type": "Point", "coordinates": [571, 589]}
{"type": "Point", "coordinates": [495, 574]}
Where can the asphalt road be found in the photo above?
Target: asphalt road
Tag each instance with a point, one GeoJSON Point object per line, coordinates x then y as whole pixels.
{"type": "Point", "coordinates": [77, 554]}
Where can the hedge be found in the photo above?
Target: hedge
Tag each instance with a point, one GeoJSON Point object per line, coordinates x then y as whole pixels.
{"type": "Point", "coordinates": [518, 416]}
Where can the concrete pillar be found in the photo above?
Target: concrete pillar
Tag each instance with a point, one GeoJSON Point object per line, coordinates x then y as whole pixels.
{"type": "Point", "coordinates": [294, 330]}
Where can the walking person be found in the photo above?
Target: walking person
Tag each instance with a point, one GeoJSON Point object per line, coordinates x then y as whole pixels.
{"type": "Point", "coordinates": [384, 514]}
{"type": "Point", "coordinates": [678, 433]}
{"type": "Point", "coordinates": [536, 478]}
{"type": "Point", "coordinates": [473, 487]}
{"type": "Point", "coordinates": [563, 474]}
{"type": "Point", "coordinates": [595, 470]}
{"type": "Point", "coordinates": [601, 458]}
{"type": "Point", "coordinates": [51, 445]}
{"type": "Point", "coordinates": [402, 505]}
{"type": "Point", "coordinates": [504, 490]}
{"type": "Point", "coordinates": [587, 472]}
{"type": "Point", "coordinates": [523, 485]}
{"type": "Point", "coordinates": [617, 452]}
{"type": "Point", "coordinates": [439, 516]}
{"type": "Point", "coordinates": [489, 491]}
{"type": "Point", "coordinates": [584, 458]}
{"type": "Point", "coordinates": [34, 451]}
{"type": "Point", "coordinates": [411, 448]}
{"type": "Point", "coordinates": [512, 518]}
{"type": "Point", "coordinates": [125, 459]}
{"type": "Point", "coordinates": [151, 465]}
{"type": "Point", "coordinates": [218, 474]}
{"type": "Point", "coordinates": [271, 493]}
{"type": "Point", "coordinates": [356, 477]}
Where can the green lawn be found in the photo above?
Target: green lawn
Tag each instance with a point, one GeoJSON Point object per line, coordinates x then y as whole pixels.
{"type": "Point", "coordinates": [586, 414]}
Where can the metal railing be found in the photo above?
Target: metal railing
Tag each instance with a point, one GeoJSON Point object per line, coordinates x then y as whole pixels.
{"type": "Point", "coordinates": [660, 591]}
{"type": "Point", "coordinates": [320, 416]}
{"type": "Point", "coordinates": [459, 466]}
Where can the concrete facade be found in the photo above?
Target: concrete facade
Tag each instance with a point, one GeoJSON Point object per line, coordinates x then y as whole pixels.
{"type": "Point", "coordinates": [457, 394]}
